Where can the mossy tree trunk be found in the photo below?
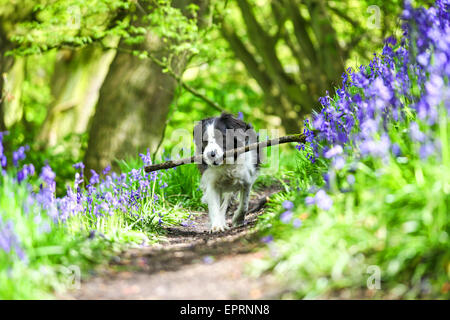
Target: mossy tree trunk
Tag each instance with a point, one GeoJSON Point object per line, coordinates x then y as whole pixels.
{"type": "Point", "coordinates": [131, 110]}
{"type": "Point", "coordinates": [5, 65]}
{"type": "Point", "coordinates": [134, 102]}
{"type": "Point", "coordinates": [75, 85]}
{"type": "Point", "coordinates": [13, 106]}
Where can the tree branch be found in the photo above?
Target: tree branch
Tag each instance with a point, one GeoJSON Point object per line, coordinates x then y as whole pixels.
{"type": "Point", "coordinates": [247, 58]}
{"type": "Point", "coordinates": [303, 38]}
{"type": "Point", "coordinates": [265, 45]}
{"type": "Point", "coordinates": [177, 77]}
{"type": "Point", "coordinates": [344, 16]}
{"type": "Point", "coordinates": [301, 138]}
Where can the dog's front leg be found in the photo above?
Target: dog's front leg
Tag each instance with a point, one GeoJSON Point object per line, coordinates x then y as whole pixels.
{"type": "Point", "coordinates": [216, 215]}
{"type": "Point", "coordinates": [225, 203]}
{"type": "Point", "coordinates": [239, 214]}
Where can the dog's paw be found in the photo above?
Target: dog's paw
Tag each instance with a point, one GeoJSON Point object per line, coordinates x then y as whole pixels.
{"type": "Point", "coordinates": [238, 219]}
{"type": "Point", "coordinates": [238, 222]}
{"type": "Point", "coordinates": [219, 228]}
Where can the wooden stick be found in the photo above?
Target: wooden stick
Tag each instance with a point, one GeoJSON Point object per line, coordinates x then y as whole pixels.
{"type": "Point", "coordinates": [231, 153]}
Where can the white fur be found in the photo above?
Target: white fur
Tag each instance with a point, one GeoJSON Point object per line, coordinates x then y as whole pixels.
{"type": "Point", "coordinates": [212, 145]}
{"type": "Point", "coordinates": [220, 182]}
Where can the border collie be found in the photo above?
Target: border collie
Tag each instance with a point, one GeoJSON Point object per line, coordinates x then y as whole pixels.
{"type": "Point", "coordinates": [223, 178]}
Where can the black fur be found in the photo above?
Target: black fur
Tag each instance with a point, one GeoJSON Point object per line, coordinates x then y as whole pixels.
{"type": "Point", "coordinates": [245, 134]}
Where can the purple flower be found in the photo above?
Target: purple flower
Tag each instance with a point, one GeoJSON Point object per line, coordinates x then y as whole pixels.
{"type": "Point", "coordinates": [47, 175]}
{"type": "Point", "coordinates": [286, 216]}
{"type": "Point", "coordinates": [78, 165]}
{"type": "Point", "coordinates": [417, 70]}
{"type": "Point", "coordinates": [19, 154]}
{"type": "Point", "coordinates": [423, 58]}
{"type": "Point", "coordinates": [416, 134]}
{"type": "Point", "coordinates": [146, 158]}
{"type": "Point", "coordinates": [381, 90]}
{"type": "Point", "coordinates": [391, 40]}
{"type": "Point", "coordinates": [426, 150]}
{"type": "Point", "coordinates": [9, 241]}
{"type": "Point", "coordinates": [27, 170]}
{"type": "Point", "coordinates": [351, 179]}
{"type": "Point", "coordinates": [78, 180]}
{"type": "Point", "coordinates": [267, 239]}
{"type": "Point", "coordinates": [309, 201]}
{"type": "Point", "coordinates": [208, 259]}
{"type": "Point", "coordinates": [333, 152]}
{"type": "Point", "coordinates": [396, 151]}
{"type": "Point", "coordinates": [338, 163]}
{"type": "Point", "coordinates": [3, 161]}
{"type": "Point", "coordinates": [136, 175]}
{"type": "Point", "coordinates": [94, 177]}
{"type": "Point", "coordinates": [144, 184]}
{"type": "Point", "coordinates": [288, 205]}
{"type": "Point", "coordinates": [434, 90]}
{"type": "Point", "coordinates": [376, 148]}
{"type": "Point", "coordinates": [106, 170]}
{"type": "Point", "coordinates": [297, 223]}
{"type": "Point", "coordinates": [323, 201]}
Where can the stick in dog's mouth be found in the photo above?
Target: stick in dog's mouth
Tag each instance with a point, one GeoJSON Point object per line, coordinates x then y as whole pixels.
{"type": "Point", "coordinates": [301, 138]}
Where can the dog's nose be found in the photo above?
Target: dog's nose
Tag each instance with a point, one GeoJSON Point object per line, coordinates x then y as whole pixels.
{"type": "Point", "coordinates": [212, 154]}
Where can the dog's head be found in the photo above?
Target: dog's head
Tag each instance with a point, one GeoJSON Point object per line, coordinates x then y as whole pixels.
{"type": "Point", "coordinates": [214, 136]}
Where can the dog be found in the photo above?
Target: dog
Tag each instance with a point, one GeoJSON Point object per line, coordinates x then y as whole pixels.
{"type": "Point", "coordinates": [222, 178]}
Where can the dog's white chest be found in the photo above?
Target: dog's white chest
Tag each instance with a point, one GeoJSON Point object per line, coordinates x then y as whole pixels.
{"type": "Point", "coordinates": [229, 177]}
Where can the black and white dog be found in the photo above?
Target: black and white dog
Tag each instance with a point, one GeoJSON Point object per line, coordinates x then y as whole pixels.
{"type": "Point", "coordinates": [222, 178]}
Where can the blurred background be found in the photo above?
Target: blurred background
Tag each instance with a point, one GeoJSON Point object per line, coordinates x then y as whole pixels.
{"type": "Point", "coordinates": [89, 84]}
{"type": "Point", "coordinates": [102, 80]}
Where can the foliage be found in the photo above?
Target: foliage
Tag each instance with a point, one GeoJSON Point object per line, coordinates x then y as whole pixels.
{"type": "Point", "coordinates": [370, 188]}
{"type": "Point", "coordinates": [38, 256]}
{"type": "Point", "coordinates": [42, 235]}
{"type": "Point", "coordinates": [369, 139]}
{"type": "Point", "coordinates": [77, 23]}
{"type": "Point", "coordinates": [295, 50]}
{"type": "Point", "coordinates": [57, 24]}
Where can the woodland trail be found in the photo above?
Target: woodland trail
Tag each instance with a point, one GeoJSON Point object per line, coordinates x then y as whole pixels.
{"type": "Point", "coordinates": [189, 263]}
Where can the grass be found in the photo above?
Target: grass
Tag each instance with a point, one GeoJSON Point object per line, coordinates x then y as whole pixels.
{"type": "Point", "coordinates": [392, 220]}
{"type": "Point", "coordinates": [182, 188]}
{"type": "Point", "coordinates": [394, 217]}
{"type": "Point", "coordinates": [58, 254]}
{"type": "Point", "coordinates": [50, 249]}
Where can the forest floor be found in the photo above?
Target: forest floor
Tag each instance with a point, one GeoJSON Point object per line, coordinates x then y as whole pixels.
{"type": "Point", "coordinates": [189, 263]}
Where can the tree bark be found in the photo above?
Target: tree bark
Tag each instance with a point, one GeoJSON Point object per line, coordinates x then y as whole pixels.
{"type": "Point", "coordinates": [133, 104]}
{"type": "Point", "coordinates": [75, 85]}
{"type": "Point", "coordinates": [5, 65]}
{"type": "Point", "coordinates": [131, 110]}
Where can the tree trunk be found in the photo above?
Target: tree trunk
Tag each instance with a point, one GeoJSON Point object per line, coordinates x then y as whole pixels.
{"type": "Point", "coordinates": [12, 105]}
{"type": "Point", "coordinates": [5, 65]}
{"type": "Point", "coordinates": [133, 104]}
{"type": "Point", "coordinates": [131, 110]}
{"type": "Point", "coordinates": [75, 85]}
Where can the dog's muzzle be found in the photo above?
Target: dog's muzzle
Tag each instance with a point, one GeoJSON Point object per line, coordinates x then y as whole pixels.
{"type": "Point", "coordinates": [213, 158]}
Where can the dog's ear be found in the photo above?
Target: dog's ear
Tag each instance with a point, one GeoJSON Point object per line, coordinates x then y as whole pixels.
{"type": "Point", "coordinates": [198, 136]}
{"type": "Point", "coordinates": [243, 133]}
{"type": "Point", "coordinates": [232, 122]}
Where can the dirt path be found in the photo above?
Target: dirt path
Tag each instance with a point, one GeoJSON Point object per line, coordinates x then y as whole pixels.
{"type": "Point", "coordinates": [189, 264]}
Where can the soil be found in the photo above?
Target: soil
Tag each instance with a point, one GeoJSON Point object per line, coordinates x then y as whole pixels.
{"type": "Point", "coordinates": [190, 263]}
